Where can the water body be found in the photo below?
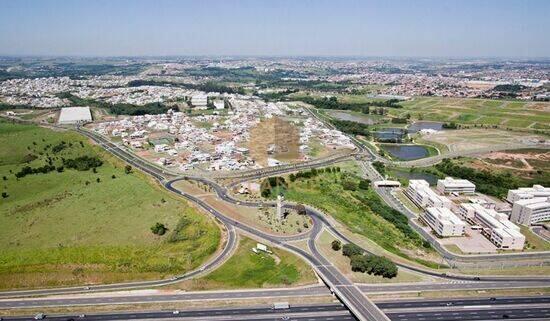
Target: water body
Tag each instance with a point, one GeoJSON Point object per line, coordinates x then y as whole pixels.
{"type": "Point", "coordinates": [341, 115]}
{"type": "Point", "coordinates": [419, 125]}
{"type": "Point", "coordinates": [406, 152]}
{"type": "Point", "coordinates": [432, 179]}
{"type": "Point", "coordinates": [385, 134]}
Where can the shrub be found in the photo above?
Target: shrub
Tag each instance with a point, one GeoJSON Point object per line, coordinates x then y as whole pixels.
{"type": "Point", "coordinates": [336, 245]}
{"type": "Point", "coordinates": [158, 229]}
{"type": "Point", "coordinates": [351, 249]}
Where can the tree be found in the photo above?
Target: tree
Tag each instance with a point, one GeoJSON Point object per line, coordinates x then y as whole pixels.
{"type": "Point", "coordinates": [349, 185]}
{"type": "Point", "coordinates": [159, 229]}
{"type": "Point", "coordinates": [359, 263]}
{"type": "Point", "coordinates": [364, 184]}
{"type": "Point", "coordinates": [301, 209]}
{"type": "Point", "coordinates": [127, 169]}
{"type": "Point", "coordinates": [5, 195]}
{"type": "Point", "coordinates": [351, 249]}
{"type": "Point", "coordinates": [336, 245]}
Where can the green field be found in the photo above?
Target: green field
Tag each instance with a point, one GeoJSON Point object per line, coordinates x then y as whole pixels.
{"type": "Point", "coordinates": [246, 269]}
{"type": "Point", "coordinates": [501, 113]}
{"type": "Point", "coordinates": [63, 228]}
{"type": "Point", "coordinates": [357, 210]}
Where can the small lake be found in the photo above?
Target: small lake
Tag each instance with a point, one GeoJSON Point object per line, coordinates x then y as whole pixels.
{"type": "Point", "coordinates": [406, 152]}
{"type": "Point", "coordinates": [389, 134]}
{"type": "Point", "coordinates": [432, 179]}
{"type": "Point", "coordinates": [419, 125]}
{"type": "Point", "coordinates": [342, 115]}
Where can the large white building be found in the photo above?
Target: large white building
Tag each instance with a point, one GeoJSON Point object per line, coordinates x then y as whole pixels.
{"type": "Point", "coordinates": [531, 210]}
{"type": "Point", "coordinates": [199, 101]}
{"type": "Point", "coordinates": [421, 194]}
{"type": "Point", "coordinates": [495, 226]}
{"type": "Point", "coordinates": [451, 185]}
{"type": "Point", "coordinates": [75, 115]}
{"type": "Point", "coordinates": [522, 193]}
{"type": "Point", "coordinates": [444, 222]}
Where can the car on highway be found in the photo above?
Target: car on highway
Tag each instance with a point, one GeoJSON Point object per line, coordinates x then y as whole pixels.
{"type": "Point", "coordinates": [175, 312]}
{"type": "Point", "coordinates": [285, 318]}
{"type": "Point", "coordinates": [82, 316]}
{"type": "Point", "coordinates": [40, 316]}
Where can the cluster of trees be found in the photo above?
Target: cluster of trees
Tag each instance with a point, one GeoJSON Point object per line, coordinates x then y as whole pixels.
{"type": "Point", "coordinates": [27, 170]}
{"type": "Point", "coordinates": [313, 172]}
{"type": "Point", "coordinates": [396, 218]}
{"type": "Point", "coordinates": [118, 109]}
{"type": "Point", "coordinates": [276, 96]}
{"type": "Point", "coordinates": [159, 229]}
{"type": "Point", "coordinates": [332, 103]}
{"type": "Point", "coordinates": [209, 86]}
{"type": "Point", "coordinates": [83, 163]}
{"type": "Point", "coordinates": [380, 167]}
{"type": "Point", "coordinates": [367, 263]}
{"type": "Point", "coordinates": [59, 147]}
{"type": "Point", "coordinates": [351, 127]}
{"type": "Point", "coordinates": [491, 183]}
{"type": "Point", "coordinates": [270, 183]}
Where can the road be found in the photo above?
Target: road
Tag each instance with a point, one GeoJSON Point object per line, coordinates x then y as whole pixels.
{"type": "Point", "coordinates": [310, 312]}
{"type": "Point", "coordinates": [346, 291]}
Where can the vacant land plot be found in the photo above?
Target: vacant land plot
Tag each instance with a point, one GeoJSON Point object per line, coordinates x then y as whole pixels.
{"type": "Point", "coordinates": [501, 113]}
{"type": "Point", "coordinates": [70, 226]}
{"type": "Point", "coordinates": [246, 269]}
{"type": "Point", "coordinates": [468, 139]}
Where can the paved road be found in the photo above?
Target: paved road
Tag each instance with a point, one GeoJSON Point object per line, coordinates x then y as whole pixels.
{"type": "Point", "coordinates": [462, 314]}
{"type": "Point", "coordinates": [423, 286]}
{"type": "Point", "coordinates": [343, 288]}
{"type": "Point", "coordinates": [408, 304]}
{"type": "Point", "coordinates": [310, 312]}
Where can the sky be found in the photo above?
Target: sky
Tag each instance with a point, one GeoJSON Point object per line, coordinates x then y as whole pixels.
{"type": "Point", "coordinates": [426, 28]}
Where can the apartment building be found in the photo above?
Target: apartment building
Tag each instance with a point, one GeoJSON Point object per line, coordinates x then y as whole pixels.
{"type": "Point", "coordinates": [531, 210]}
{"type": "Point", "coordinates": [421, 194]}
{"type": "Point", "coordinates": [444, 222]}
{"type": "Point", "coordinates": [495, 226]}
{"type": "Point", "coordinates": [199, 101]}
{"type": "Point", "coordinates": [460, 186]}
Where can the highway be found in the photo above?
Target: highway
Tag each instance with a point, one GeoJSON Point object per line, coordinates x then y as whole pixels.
{"type": "Point", "coordinates": [349, 293]}
{"type": "Point", "coordinates": [306, 312]}
{"type": "Point", "coordinates": [461, 302]}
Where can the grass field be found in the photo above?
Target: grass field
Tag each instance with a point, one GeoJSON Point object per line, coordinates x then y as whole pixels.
{"type": "Point", "coordinates": [64, 228]}
{"type": "Point", "coordinates": [352, 209]}
{"type": "Point", "coordinates": [246, 269]}
{"type": "Point", "coordinates": [505, 114]}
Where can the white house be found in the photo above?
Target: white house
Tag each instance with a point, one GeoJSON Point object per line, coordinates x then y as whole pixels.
{"type": "Point", "coordinates": [421, 194]}
{"type": "Point", "coordinates": [531, 210]}
{"type": "Point", "coordinates": [444, 222]}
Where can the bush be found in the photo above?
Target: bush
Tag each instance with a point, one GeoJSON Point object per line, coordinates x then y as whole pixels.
{"type": "Point", "coordinates": [83, 163]}
{"type": "Point", "coordinates": [127, 169]}
{"type": "Point", "coordinates": [351, 249]}
{"type": "Point", "coordinates": [364, 184]}
{"type": "Point", "coordinates": [349, 185]}
{"type": "Point", "coordinates": [336, 245]}
{"type": "Point", "coordinates": [158, 229]}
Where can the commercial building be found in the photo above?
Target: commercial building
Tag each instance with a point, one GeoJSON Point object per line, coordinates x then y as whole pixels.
{"type": "Point", "coordinates": [421, 194]}
{"type": "Point", "coordinates": [460, 186]}
{"type": "Point", "coordinates": [199, 101]}
{"type": "Point", "coordinates": [494, 225]}
{"type": "Point", "coordinates": [75, 115]}
{"type": "Point", "coordinates": [523, 193]}
{"type": "Point", "coordinates": [531, 210]}
{"type": "Point", "coordinates": [444, 222]}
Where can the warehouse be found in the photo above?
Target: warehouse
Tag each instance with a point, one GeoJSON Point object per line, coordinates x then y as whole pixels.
{"type": "Point", "coordinates": [75, 115]}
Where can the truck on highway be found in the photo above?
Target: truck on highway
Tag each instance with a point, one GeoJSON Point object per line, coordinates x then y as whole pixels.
{"type": "Point", "coordinates": [280, 306]}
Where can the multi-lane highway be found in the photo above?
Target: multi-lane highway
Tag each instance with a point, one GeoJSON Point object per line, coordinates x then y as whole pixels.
{"type": "Point", "coordinates": [348, 292]}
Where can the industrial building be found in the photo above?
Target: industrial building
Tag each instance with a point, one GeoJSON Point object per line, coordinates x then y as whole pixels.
{"type": "Point", "coordinates": [74, 115]}
{"type": "Point", "coordinates": [494, 225]}
{"type": "Point", "coordinates": [531, 210]}
{"type": "Point", "coordinates": [421, 194]}
{"type": "Point", "coordinates": [444, 222]}
{"type": "Point", "coordinates": [459, 186]}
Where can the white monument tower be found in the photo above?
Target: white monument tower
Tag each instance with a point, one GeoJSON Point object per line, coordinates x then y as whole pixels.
{"type": "Point", "coordinates": [280, 214]}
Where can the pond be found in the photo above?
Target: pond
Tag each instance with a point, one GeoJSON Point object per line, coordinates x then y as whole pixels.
{"type": "Point", "coordinates": [432, 179]}
{"type": "Point", "coordinates": [406, 152]}
{"type": "Point", "coordinates": [342, 115]}
{"type": "Point", "coordinates": [419, 125]}
{"type": "Point", "coordinates": [385, 134]}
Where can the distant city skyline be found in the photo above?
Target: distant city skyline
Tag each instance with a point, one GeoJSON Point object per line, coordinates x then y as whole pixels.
{"type": "Point", "coordinates": [275, 28]}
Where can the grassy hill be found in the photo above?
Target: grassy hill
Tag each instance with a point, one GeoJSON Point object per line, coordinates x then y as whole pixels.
{"type": "Point", "coordinates": [74, 226]}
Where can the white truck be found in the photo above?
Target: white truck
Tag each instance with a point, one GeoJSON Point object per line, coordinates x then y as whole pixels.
{"type": "Point", "coordinates": [280, 306]}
